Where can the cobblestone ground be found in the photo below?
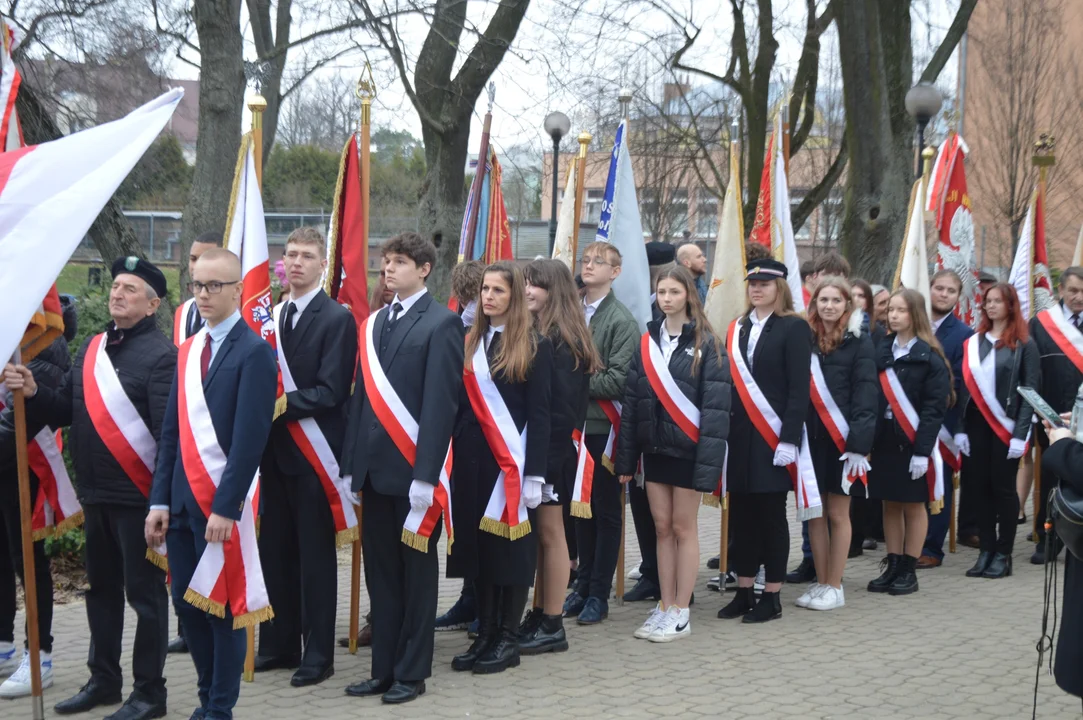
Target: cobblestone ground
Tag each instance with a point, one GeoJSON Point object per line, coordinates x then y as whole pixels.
{"type": "Point", "coordinates": [959, 648]}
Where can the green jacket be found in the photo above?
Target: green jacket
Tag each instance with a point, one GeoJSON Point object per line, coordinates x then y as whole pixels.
{"type": "Point", "coordinates": [615, 333]}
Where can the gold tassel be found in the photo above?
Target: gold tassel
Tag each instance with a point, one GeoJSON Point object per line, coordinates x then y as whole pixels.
{"type": "Point", "coordinates": [333, 267]}
{"type": "Point", "coordinates": [450, 542]}
{"type": "Point", "coordinates": [158, 560]}
{"type": "Point", "coordinates": [520, 531]}
{"type": "Point", "coordinates": [205, 604]}
{"type": "Point", "coordinates": [346, 537]}
{"type": "Point", "coordinates": [608, 464]}
{"type": "Point", "coordinates": [581, 509]}
{"type": "Point", "coordinates": [242, 159]}
{"type": "Point", "coordinates": [711, 500]}
{"type": "Point", "coordinates": [253, 618]}
{"type": "Point", "coordinates": [280, 407]}
{"type": "Point", "coordinates": [935, 506]}
{"type": "Point", "coordinates": [413, 540]}
{"type": "Point", "coordinates": [69, 523]}
{"type": "Point", "coordinates": [494, 527]}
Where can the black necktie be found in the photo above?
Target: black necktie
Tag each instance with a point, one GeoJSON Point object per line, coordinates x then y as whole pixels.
{"type": "Point", "coordinates": [287, 323]}
{"type": "Point", "coordinates": [389, 325]}
{"type": "Point", "coordinates": [395, 310]}
{"type": "Point", "coordinates": [1076, 321]}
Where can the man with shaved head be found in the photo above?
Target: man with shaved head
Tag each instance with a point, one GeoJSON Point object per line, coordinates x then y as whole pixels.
{"type": "Point", "coordinates": [693, 258]}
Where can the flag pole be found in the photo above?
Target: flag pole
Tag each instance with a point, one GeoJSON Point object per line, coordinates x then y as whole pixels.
{"type": "Point", "coordinates": [1043, 159]}
{"type": "Point", "coordinates": [475, 196]}
{"type": "Point", "coordinates": [30, 587]}
{"type": "Point", "coordinates": [365, 92]}
{"type": "Point", "coordinates": [257, 105]}
{"type": "Point", "coordinates": [580, 191]}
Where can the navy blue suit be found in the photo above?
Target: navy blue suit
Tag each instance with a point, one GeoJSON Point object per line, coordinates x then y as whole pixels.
{"type": "Point", "coordinates": [952, 333]}
{"type": "Point", "coordinates": [240, 391]}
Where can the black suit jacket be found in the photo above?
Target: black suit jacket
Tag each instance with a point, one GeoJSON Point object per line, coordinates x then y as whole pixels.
{"type": "Point", "coordinates": [1060, 378]}
{"type": "Point", "coordinates": [321, 351]}
{"type": "Point", "coordinates": [423, 361]}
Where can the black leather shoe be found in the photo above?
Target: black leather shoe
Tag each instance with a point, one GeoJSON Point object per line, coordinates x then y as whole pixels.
{"type": "Point", "coordinates": [548, 637]}
{"type": "Point", "coordinates": [91, 696]}
{"type": "Point", "coordinates": [368, 688]}
{"type": "Point", "coordinates": [890, 568]}
{"type": "Point", "coordinates": [984, 558]}
{"type": "Point", "coordinates": [198, 714]}
{"type": "Point", "coordinates": [136, 708]}
{"type": "Point", "coordinates": [1000, 566]}
{"type": "Point", "coordinates": [177, 645]}
{"type": "Point", "coordinates": [714, 563]}
{"type": "Point", "coordinates": [311, 675]}
{"type": "Point", "coordinates": [500, 656]}
{"type": "Point", "coordinates": [277, 662]}
{"type": "Point", "coordinates": [595, 611]}
{"type": "Point", "coordinates": [744, 599]}
{"type": "Point", "coordinates": [906, 581]}
{"type": "Point", "coordinates": [768, 608]}
{"type": "Point", "coordinates": [404, 692]}
{"type": "Point", "coordinates": [644, 589]}
{"type": "Point", "coordinates": [803, 573]}
{"type": "Point", "coordinates": [530, 623]}
{"type": "Point", "coordinates": [573, 604]}
{"type": "Point", "coordinates": [465, 661]}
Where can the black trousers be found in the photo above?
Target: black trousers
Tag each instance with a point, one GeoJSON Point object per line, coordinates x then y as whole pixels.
{"type": "Point", "coordinates": [11, 565]}
{"type": "Point", "coordinates": [117, 566]}
{"type": "Point", "coordinates": [761, 534]}
{"type": "Point", "coordinates": [403, 585]}
{"type": "Point", "coordinates": [969, 490]}
{"type": "Point", "coordinates": [645, 534]}
{"type": "Point", "coordinates": [599, 537]}
{"type": "Point", "coordinates": [992, 483]}
{"type": "Point", "coordinates": [300, 568]}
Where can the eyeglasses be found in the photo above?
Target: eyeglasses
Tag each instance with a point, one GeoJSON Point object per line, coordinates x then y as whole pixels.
{"type": "Point", "coordinates": [213, 287]}
{"type": "Point", "coordinates": [588, 261]}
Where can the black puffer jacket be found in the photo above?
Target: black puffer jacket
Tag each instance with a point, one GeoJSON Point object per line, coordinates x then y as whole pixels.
{"type": "Point", "coordinates": [924, 377]}
{"type": "Point", "coordinates": [145, 361]}
{"type": "Point", "coordinates": [646, 427]}
{"type": "Point", "coordinates": [568, 405]}
{"type": "Point", "coordinates": [49, 368]}
{"type": "Point", "coordinates": [850, 372]}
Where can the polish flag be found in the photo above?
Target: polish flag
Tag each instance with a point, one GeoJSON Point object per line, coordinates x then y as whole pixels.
{"type": "Point", "coordinates": [50, 195]}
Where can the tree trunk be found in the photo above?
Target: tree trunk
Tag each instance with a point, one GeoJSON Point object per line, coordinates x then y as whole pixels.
{"type": "Point", "coordinates": [443, 198]}
{"type": "Point", "coordinates": [221, 97]}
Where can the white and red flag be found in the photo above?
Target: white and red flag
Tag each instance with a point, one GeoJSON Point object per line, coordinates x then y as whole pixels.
{"type": "Point", "coordinates": [1030, 268]}
{"type": "Point", "coordinates": [948, 199]}
{"type": "Point", "coordinates": [913, 269]}
{"type": "Point", "coordinates": [347, 240]}
{"type": "Point", "coordinates": [50, 195]}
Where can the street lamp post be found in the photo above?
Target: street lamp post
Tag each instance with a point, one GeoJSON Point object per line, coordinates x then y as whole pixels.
{"type": "Point", "coordinates": [923, 102]}
{"type": "Point", "coordinates": [556, 126]}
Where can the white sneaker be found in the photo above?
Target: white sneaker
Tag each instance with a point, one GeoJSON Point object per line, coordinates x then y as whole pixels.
{"type": "Point", "coordinates": [674, 626]}
{"type": "Point", "coordinates": [760, 582]}
{"type": "Point", "coordinates": [635, 574]}
{"type": "Point", "coordinates": [9, 659]}
{"type": "Point", "coordinates": [813, 591]}
{"type": "Point", "coordinates": [656, 617]}
{"type": "Point", "coordinates": [18, 685]}
{"type": "Point", "coordinates": [829, 599]}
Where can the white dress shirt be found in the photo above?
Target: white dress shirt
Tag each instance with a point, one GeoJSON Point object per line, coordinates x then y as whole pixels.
{"type": "Point", "coordinates": [938, 323]}
{"type": "Point", "coordinates": [898, 351]}
{"type": "Point", "coordinates": [408, 302]}
{"type": "Point", "coordinates": [301, 303]}
{"type": "Point", "coordinates": [590, 308]}
{"type": "Point", "coordinates": [667, 343]}
{"type": "Point", "coordinates": [491, 333]}
{"type": "Point", "coordinates": [754, 333]}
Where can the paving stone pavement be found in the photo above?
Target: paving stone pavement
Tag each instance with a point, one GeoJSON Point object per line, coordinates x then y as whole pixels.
{"type": "Point", "coordinates": [960, 648]}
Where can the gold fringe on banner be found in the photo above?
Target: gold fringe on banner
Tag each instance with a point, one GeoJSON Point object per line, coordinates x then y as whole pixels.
{"type": "Point", "coordinates": [413, 540]}
{"type": "Point", "coordinates": [334, 266]}
{"type": "Point", "coordinates": [607, 463]}
{"type": "Point", "coordinates": [158, 560]}
{"type": "Point", "coordinates": [346, 537]}
{"type": "Point", "coordinates": [242, 158]}
{"type": "Point", "coordinates": [935, 506]}
{"type": "Point", "coordinates": [581, 509]}
{"type": "Point", "coordinates": [253, 618]}
{"type": "Point", "coordinates": [205, 604]}
{"type": "Point", "coordinates": [55, 531]}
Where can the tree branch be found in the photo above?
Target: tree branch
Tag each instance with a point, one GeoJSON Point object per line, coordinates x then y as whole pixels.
{"type": "Point", "coordinates": [490, 49]}
{"type": "Point", "coordinates": [951, 39]}
{"type": "Point", "coordinates": [822, 189]}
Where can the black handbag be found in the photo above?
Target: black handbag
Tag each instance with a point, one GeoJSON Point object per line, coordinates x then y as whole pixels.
{"type": "Point", "coordinates": [1066, 511]}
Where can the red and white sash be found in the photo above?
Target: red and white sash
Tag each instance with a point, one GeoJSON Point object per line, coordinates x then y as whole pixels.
{"type": "Point", "coordinates": [505, 513]}
{"type": "Point", "coordinates": [180, 321]}
{"type": "Point", "coordinates": [228, 573]}
{"type": "Point", "coordinates": [119, 425]}
{"type": "Point", "coordinates": [982, 390]}
{"type": "Point", "coordinates": [949, 451]}
{"type": "Point", "coordinates": [683, 411]}
{"type": "Point", "coordinates": [831, 416]}
{"type": "Point", "coordinates": [584, 476]}
{"type": "Point", "coordinates": [310, 440]}
{"type": "Point", "coordinates": [612, 410]}
{"type": "Point", "coordinates": [908, 419]}
{"type": "Point", "coordinates": [1064, 334]}
{"type": "Point", "coordinates": [403, 430]}
{"type": "Point", "coordinates": [769, 425]}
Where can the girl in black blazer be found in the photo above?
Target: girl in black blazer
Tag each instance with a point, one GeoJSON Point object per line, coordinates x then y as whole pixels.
{"type": "Point", "coordinates": [990, 464]}
{"type": "Point", "coordinates": [677, 466]}
{"type": "Point", "coordinates": [554, 302]}
{"type": "Point", "coordinates": [899, 480]}
{"type": "Point", "coordinates": [776, 344]}
{"type": "Point", "coordinates": [847, 363]}
{"type": "Point", "coordinates": [498, 558]}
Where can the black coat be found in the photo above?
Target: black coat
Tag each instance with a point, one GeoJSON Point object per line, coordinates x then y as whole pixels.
{"type": "Point", "coordinates": [423, 361]}
{"type": "Point", "coordinates": [1064, 459]}
{"type": "Point", "coordinates": [1013, 368]}
{"type": "Point", "coordinates": [952, 333]}
{"type": "Point", "coordinates": [924, 378]}
{"type": "Point", "coordinates": [646, 426]}
{"type": "Point", "coordinates": [569, 398]}
{"type": "Point", "coordinates": [145, 361]}
{"type": "Point", "coordinates": [850, 372]}
{"type": "Point", "coordinates": [780, 367]}
{"type": "Point", "coordinates": [321, 351]}
{"type": "Point", "coordinates": [1060, 377]}
{"type": "Point", "coordinates": [49, 369]}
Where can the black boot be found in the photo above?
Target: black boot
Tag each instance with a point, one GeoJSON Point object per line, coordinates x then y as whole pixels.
{"type": "Point", "coordinates": [549, 637]}
{"type": "Point", "coordinates": [768, 608]}
{"type": "Point", "coordinates": [984, 558]}
{"type": "Point", "coordinates": [890, 567]}
{"type": "Point", "coordinates": [504, 653]}
{"type": "Point", "coordinates": [906, 581]}
{"type": "Point", "coordinates": [487, 629]}
{"type": "Point", "coordinates": [803, 573]}
{"type": "Point", "coordinates": [744, 599]}
{"type": "Point", "coordinates": [1001, 566]}
{"type": "Point", "coordinates": [530, 624]}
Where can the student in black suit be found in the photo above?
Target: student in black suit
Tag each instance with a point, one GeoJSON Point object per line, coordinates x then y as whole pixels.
{"type": "Point", "coordinates": [239, 382]}
{"type": "Point", "coordinates": [421, 352]}
{"type": "Point", "coordinates": [317, 341]}
{"type": "Point", "coordinates": [554, 302]}
{"type": "Point", "coordinates": [498, 549]}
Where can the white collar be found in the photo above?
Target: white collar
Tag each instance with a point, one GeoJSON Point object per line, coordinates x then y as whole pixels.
{"type": "Point", "coordinates": [594, 304]}
{"type": "Point", "coordinates": [756, 321]}
{"type": "Point", "coordinates": [408, 302]}
{"type": "Point", "coordinates": [938, 323]}
{"type": "Point", "coordinates": [908, 346]}
{"type": "Point", "coordinates": [491, 332]}
{"type": "Point", "coordinates": [303, 302]}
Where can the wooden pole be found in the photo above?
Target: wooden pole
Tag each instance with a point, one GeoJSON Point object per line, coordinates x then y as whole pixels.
{"type": "Point", "coordinates": [724, 544]}
{"type": "Point", "coordinates": [953, 522]}
{"type": "Point", "coordinates": [30, 588]}
{"type": "Point", "coordinates": [1043, 159]}
{"type": "Point", "coordinates": [483, 161]}
{"type": "Point", "coordinates": [620, 552]}
{"type": "Point", "coordinates": [580, 191]}
{"type": "Point", "coordinates": [786, 139]}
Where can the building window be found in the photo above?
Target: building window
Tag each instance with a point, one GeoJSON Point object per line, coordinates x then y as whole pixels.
{"type": "Point", "coordinates": [678, 211]}
{"type": "Point", "coordinates": [592, 206]}
{"type": "Point", "coordinates": [706, 213]}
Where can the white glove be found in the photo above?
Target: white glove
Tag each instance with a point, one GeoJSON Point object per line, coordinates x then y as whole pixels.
{"type": "Point", "coordinates": [785, 454]}
{"type": "Point", "coordinates": [345, 487]}
{"type": "Point", "coordinates": [549, 493]}
{"type": "Point", "coordinates": [854, 464]}
{"type": "Point", "coordinates": [421, 495]}
{"type": "Point", "coordinates": [918, 467]}
{"type": "Point", "coordinates": [962, 441]}
{"type": "Point", "coordinates": [532, 491]}
{"type": "Point", "coordinates": [1016, 448]}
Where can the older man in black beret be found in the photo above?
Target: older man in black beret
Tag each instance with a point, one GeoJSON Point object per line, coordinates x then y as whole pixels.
{"type": "Point", "coordinates": [114, 399]}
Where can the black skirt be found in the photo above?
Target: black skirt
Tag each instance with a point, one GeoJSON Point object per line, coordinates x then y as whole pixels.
{"type": "Point", "coordinates": [562, 477]}
{"type": "Point", "coordinates": [666, 470]}
{"type": "Point", "coordinates": [890, 477]}
{"type": "Point", "coordinates": [825, 459]}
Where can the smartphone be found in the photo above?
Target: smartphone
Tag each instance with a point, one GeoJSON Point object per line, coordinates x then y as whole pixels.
{"type": "Point", "coordinates": [1041, 408]}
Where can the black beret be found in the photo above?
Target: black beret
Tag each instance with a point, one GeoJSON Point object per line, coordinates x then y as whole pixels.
{"type": "Point", "coordinates": [767, 269]}
{"type": "Point", "coordinates": [132, 265]}
{"type": "Point", "coordinates": [987, 277]}
{"type": "Point", "coordinates": [660, 253]}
